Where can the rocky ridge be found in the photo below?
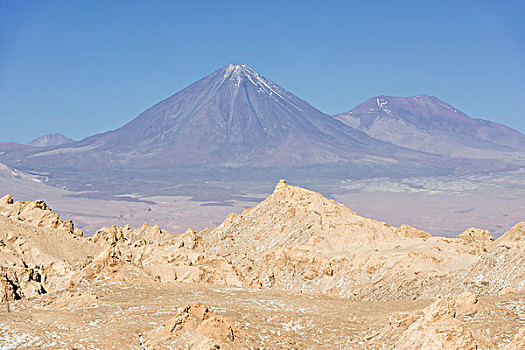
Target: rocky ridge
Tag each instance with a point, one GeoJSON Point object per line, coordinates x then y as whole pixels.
{"type": "Point", "coordinates": [299, 240]}
{"type": "Point", "coordinates": [296, 241]}
{"type": "Point", "coordinates": [39, 251]}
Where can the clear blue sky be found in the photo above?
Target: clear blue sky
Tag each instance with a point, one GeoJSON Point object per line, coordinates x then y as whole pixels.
{"type": "Point", "coordinates": [83, 67]}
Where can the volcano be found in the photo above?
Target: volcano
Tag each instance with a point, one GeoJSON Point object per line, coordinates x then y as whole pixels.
{"type": "Point", "coordinates": [233, 117]}
{"type": "Point", "coordinates": [428, 124]}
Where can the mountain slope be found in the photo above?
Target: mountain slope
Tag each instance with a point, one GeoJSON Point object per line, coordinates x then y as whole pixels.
{"type": "Point", "coordinates": [232, 117]}
{"type": "Point", "coordinates": [299, 240]}
{"type": "Point", "coordinates": [50, 140]}
{"type": "Point", "coordinates": [428, 124]}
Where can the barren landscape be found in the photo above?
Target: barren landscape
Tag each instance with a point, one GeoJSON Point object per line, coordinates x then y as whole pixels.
{"type": "Point", "coordinates": [295, 271]}
{"type": "Point", "coordinates": [232, 175]}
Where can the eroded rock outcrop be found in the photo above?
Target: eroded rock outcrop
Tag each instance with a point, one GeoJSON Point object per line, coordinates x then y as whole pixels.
{"type": "Point", "coordinates": [514, 236]}
{"type": "Point", "coordinates": [500, 270]}
{"type": "Point", "coordinates": [518, 342]}
{"type": "Point", "coordinates": [438, 327]}
{"type": "Point", "coordinates": [162, 255]}
{"type": "Point", "coordinates": [407, 231]}
{"type": "Point", "coordinates": [37, 259]}
{"type": "Point", "coordinates": [298, 240]}
{"type": "Point", "coordinates": [36, 213]}
{"type": "Point", "coordinates": [196, 327]}
{"type": "Point", "coordinates": [476, 235]}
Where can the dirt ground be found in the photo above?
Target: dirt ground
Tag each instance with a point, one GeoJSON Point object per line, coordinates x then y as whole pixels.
{"type": "Point", "coordinates": [113, 313]}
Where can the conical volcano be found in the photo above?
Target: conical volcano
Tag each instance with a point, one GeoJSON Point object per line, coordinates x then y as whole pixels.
{"type": "Point", "coordinates": [233, 117]}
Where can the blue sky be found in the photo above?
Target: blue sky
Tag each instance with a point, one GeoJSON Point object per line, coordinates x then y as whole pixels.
{"type": "Point", "coordinates": [81, 68]}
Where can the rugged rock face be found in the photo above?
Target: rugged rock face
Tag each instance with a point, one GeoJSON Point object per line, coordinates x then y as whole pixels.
{"type": "Point", "coordinates": [295, 240]}
{"type": "Point", "coordinates": [518, 342]}
{"type": "Point", "coordinates": [438, 327]}
{"type": "Point", "coordinates": [299, 240]}
{"type": "Point", "coordinates": [407, 231]}
{"type": "Point", "coordinates": [514, 236]}
{"type": "Point", "coordinates": [476, 235]}
{"type": "Point", "coordinates": [501, 268]}
{"type": "Point", "coordinates": [38, 252]}
{"type": "Point", "coordinates": [36, 213]}
{"type": "Point", "coordinates": [162, 255]}
{"type": "Point", "coordinates": [196, 327]}
{"type": "Point", "coordinates": [297, 243]}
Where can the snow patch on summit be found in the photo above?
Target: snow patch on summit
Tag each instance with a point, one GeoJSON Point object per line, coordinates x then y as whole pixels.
{"type": "Point", "coordinates": [380, 103]}
{"type": "Point", "coordinates": [236, 73]}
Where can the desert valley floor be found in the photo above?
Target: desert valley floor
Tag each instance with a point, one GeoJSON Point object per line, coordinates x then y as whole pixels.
{"type": "Point", "coordinates": [296, 271]}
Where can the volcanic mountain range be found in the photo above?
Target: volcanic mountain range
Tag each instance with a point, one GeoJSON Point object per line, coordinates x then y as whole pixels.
{"type": "Point", "coordinates": [237, 118]}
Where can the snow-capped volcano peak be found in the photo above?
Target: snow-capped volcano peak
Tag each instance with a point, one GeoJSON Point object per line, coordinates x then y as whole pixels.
{"type": "Point", "coordinates": [241, 75]}
{"type": "Point", "coordinates": [233, 117]}
{"type": "Point", "coordinates": [236, 71]}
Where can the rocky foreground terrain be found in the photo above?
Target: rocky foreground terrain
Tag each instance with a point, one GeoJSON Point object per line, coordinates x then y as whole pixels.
{"type": "Point", "coordinates": [296, 271]}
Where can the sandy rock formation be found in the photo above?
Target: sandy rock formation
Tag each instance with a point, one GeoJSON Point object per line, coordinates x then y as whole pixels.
{"type": "Point", "coordinates": [466, 303]}
{"type": "Point", "coordinates": [299, 240]}
{"type": "Point", "coordinates": [476, 235]}
{"type": "Point", "coordinates": [162, 255]}
{"type": "Point", "coordinates": [518, 342]}
{"type": "Point", "coordinates": [196, 327]}
{"type": "Point", "coordinates": [112, 235]}
{"type": "Point", "coordinates": [36, 213]}
{"type": "Point", "coordinates": [437, 327]}
{"type": "Point", "coordinates": [295, 240]}
{"type": "Point", "coordinates": [407, 231]}
{"type": "Point", "coordinates": [6, 200]}
{"type": "Point", "coordinates": [36, 260]}
{"type": "Point", "coordinates": [500, 270]}
{"type": "Point", "coordinates": [514, 236]}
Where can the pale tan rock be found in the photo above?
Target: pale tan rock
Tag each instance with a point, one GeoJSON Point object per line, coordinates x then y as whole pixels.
{"type": "Point", "coordinates": [466, 303]}
{"type": "Point", "coordinates": [407, 231]}
{"type": "Point", "coordinates": [196, 327]}
{"type": "Point", "coordinates": [294, 241]}
{"type": "Point", "coordinates": [518, 342]}
{"type": "Point", "coordinates": [516, 234]}
{"type": "Point", "coordinates": [438, 328]}
{"type": "Point", "coordinates": [7, 199]}
{"type": "Point", "coordinates": [35, 260]}
{"type": "Point", "coordinates": [501, 268]}
{"type": "Point", "coordinates": [298, 240]}
{"type": "Point", "coordinates": [36, 213]}
{"type": "Point", "coordinates": [476, 235]}
{"type": "Point", "coordinates": [164, 256]}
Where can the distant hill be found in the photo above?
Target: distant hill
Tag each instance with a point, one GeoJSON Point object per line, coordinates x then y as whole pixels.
{"type": "Point", "coordinates": [11, 146]}
{"type": "Point", "coordinates": [426, 123]}
{"type": "Point", "coordinates": [50, 140]}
